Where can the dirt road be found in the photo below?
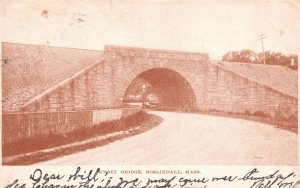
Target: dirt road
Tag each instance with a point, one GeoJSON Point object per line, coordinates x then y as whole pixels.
{"type": "Point", "coordinates": [185, 139]}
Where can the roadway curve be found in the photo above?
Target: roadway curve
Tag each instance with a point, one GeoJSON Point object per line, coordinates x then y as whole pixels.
{"type": "Point", "coordinates": [195, 139]}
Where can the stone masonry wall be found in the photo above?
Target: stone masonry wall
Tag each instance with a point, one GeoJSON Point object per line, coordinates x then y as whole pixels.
{"type": "Point", "coordinates": [229, 92]}
{"type": "Point", "coordinates": [216, 89]}
{"type": "Point", "coordinates": [89, 90]}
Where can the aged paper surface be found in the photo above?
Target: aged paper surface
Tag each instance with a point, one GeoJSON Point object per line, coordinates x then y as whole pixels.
{"type": "Point", "coordinates": [149, 93]}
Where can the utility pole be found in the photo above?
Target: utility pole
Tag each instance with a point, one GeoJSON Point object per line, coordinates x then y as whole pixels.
{"type": "Point", "coordinates": [261, 38]}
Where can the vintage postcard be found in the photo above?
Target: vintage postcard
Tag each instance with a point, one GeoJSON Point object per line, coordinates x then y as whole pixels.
{"type": "Point", "coordinates": [109, 93]}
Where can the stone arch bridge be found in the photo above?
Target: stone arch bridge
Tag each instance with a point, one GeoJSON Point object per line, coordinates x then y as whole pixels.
{"type": "Point", "coordinates": [183, 81]}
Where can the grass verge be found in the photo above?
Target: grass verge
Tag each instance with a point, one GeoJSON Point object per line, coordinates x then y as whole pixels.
{"type": "Point", "coordinates": [285, 123]}
{"type": "Point", "coordinates": [290, 124]}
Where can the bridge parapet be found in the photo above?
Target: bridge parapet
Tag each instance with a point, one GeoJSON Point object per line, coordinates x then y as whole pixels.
{"type": "Point", "coordinates": [154, 53]}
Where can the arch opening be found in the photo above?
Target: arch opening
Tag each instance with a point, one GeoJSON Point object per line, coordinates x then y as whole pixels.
{"type": "Point", "coordinates": [161, 89]}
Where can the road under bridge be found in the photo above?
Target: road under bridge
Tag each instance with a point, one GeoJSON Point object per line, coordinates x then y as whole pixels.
{"type": "Point", "coordinates": [194, 139]}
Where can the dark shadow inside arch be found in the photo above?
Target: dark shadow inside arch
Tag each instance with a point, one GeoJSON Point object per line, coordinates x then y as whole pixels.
{"type": "Point", "coordinates": [164, 89]}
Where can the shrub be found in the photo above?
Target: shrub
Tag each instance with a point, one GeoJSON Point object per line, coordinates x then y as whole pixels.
{"type": "Point", "coordinates": [260, 114]}
{"type": "Point", "coordinates": [247, 112]}
{"type": "Point", "coordinates": [213, 110]}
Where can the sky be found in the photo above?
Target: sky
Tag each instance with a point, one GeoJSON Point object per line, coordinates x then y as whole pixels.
{"type": "Point", "coordinates": [211, 26]}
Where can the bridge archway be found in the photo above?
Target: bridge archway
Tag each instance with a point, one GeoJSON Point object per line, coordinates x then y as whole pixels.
{"type": "Point", "coordinates": [171, 90]}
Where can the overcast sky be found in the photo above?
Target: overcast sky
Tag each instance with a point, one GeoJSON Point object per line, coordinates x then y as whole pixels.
{"type": "Point", "coordinates": [210, 26]}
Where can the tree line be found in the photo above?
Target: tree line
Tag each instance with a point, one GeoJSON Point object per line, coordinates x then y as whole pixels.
{"type": "Point", "coordinates": [271, 58]}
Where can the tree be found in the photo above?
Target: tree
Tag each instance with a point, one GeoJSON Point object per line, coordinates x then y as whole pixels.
{"type": "Point", "coordinates": [271, 58]}
{"type": "Point", "coordinates": [245, 56]}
